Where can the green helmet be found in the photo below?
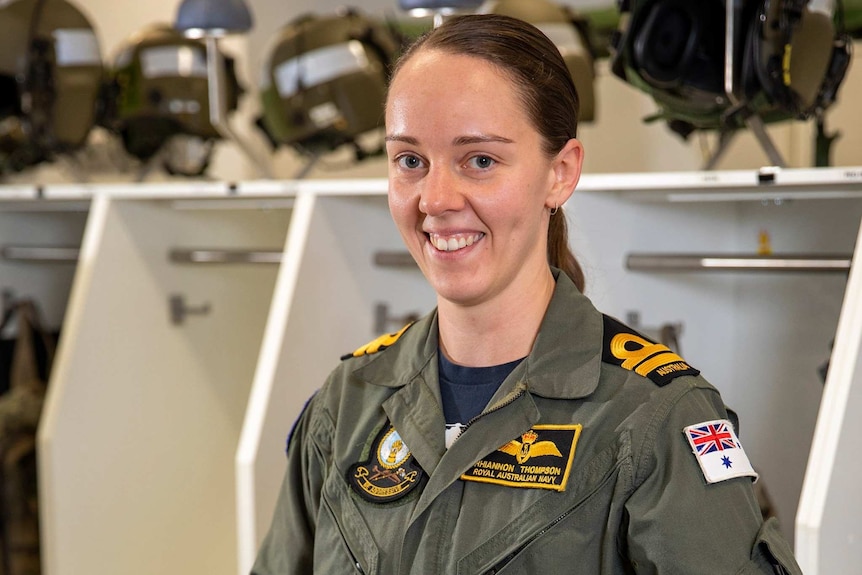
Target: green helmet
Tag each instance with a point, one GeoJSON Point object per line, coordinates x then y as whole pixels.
{"type": "Point", "coordinates": [50, 74]}
{"type": "Point", "coordinates": [158, 90]}
{"type": "Point", "coordinates": [569, 33]}
{"type": "Point", "coordinates": [788, 60]}
{"type": "Point", "coordinates": [324, 80]}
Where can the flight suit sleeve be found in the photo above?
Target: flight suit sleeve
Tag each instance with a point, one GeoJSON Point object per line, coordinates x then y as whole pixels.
{"type": "Point", "coordinates": [678, 523]}
{"type": "Point", "coordinates": [288, 548]}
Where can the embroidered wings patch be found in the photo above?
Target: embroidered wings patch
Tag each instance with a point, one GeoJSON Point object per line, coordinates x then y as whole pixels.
{"type": "Point", "coordinates": [540, 459]}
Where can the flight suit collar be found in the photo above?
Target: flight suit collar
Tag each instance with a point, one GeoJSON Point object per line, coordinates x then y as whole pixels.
{"type": "Point", "coordinates": [564, 364]}
{"type": "Point", "coordinates": [408, 356]}
{"type": "Point", "coordinates": [566, 359]}
{"type": "Point", "coordinates": [414, 409]}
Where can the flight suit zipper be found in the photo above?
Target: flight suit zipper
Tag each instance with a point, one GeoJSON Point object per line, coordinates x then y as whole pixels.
{"type": "Point", "coordinates": [511, 556]}
{"type": "Point", "coordinates": [496, 408]}
{"type": "Point", "coordinates": [356, 564]}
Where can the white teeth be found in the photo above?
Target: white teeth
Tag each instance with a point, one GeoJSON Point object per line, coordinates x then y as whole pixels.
{"type": "Point", "coordinates": [453, 244]}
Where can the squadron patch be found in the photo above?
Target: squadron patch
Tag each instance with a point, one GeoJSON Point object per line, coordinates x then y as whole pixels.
{"type": "Point", "coordinates": [378, 344]}
{"type": "Point", "coordinates": [390, 473]}
{"type": "Point", "coordinates": [718, 451]}
{"type": "Point", "coordinates": [623, 347]}
{"type": "Point", "coordinates": [540, 459]}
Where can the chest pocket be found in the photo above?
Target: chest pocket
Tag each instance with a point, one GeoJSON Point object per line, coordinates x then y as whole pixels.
{"type": "Point", "coordinates": [343, 543]}
{"type": "Point", "coordinates": [562, 530]}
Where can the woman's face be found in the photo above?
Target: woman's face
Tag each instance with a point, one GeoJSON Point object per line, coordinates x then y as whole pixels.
{"type": "Point", "coordinates": [469, 184]}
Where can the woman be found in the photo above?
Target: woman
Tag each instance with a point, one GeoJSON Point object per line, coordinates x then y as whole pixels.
{"type": "Point", "coordinates": [571, 444]}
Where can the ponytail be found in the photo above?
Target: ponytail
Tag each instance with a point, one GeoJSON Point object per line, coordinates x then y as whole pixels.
{"type": "Point", "coordinates": [559, 253]}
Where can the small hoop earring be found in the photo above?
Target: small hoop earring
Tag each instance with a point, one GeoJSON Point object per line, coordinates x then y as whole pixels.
{"type": "Point", "coordinates": [554, 210]}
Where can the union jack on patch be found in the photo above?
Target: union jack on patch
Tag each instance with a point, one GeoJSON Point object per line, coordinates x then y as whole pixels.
{"type": "Point", "coordinates": [712, 437]}
{"type": "Point", "coordinates": [718, 451]}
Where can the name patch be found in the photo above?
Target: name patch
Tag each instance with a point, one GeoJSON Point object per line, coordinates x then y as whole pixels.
{"type": "Point", "coordinates": [540, 459]}
{"type": "Point", "coordinates": [390, 473]}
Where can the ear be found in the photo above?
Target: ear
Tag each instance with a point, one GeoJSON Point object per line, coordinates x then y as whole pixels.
{"type": "Point", "coordinates": [566, 167]}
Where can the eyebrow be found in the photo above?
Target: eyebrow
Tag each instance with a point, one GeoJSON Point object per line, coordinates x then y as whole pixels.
{"type": "Point", "coordinates": [467, 140]}
{"type": "Point", "coordinates": [459, 141]}
{"type": "Point", "coordinates": [406, 139]}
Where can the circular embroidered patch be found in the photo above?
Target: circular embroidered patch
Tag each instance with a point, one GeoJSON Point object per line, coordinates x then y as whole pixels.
{"type": "Point", "coordinates": [389, 474]}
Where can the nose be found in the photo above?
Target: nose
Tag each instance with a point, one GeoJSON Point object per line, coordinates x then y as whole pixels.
{"type": "Point", "coordinates": [440, 193]}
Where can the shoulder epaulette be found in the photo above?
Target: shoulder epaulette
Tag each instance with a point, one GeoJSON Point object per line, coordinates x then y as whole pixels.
{"type": "Point", "coordinates": [623, 346]}
{"type": "Point", "coordinates": [378, 344]}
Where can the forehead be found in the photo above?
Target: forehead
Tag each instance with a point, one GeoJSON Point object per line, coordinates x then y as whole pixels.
{"type": "Point", "coordinates": [432, 66]}
{"type": "Point", "coordinates": [434, 82]}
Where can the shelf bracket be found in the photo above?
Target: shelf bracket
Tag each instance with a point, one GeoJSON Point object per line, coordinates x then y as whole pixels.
{"type": "Point", "coordinates": [382, 318]}
{"type": "Point", "coordinates": [179, 309]}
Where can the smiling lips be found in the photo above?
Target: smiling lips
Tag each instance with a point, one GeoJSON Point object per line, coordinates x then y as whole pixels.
{"type": "Point", "coordinates": [453, 243]}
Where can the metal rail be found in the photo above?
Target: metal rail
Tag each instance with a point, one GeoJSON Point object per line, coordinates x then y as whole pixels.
{"type": "Point", "coordinates": [740, 262]}
{"type": "Point", "coordinates": [39, 254]}
{"type": "Point", "coordinates": [224, 256]}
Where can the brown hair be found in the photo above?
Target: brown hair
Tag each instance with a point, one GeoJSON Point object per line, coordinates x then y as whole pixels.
{"type": "Point", "coordinates": [543, 81]}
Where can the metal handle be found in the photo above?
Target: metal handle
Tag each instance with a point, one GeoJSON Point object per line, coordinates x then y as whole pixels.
{"type": "Point", "coordinates": [39, 254]}
{"type": "Point", "coordinates": [715, 262]}
{"type": "Point", "coordinates": [218, 256]}
{"type": "Point", "coordinates": [394, 260]}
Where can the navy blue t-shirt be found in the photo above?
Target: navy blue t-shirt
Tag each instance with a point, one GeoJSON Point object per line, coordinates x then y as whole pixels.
{"type": "Point", "coordinates": [466, 391]}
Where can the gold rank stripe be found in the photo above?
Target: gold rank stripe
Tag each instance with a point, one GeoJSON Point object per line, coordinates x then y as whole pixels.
{"type": "Point", "coordinates": [378, 344]}
{"type": "Point", "coordinates": [632, 351]}
{"type": "Point", "coordinates": [648, 357]}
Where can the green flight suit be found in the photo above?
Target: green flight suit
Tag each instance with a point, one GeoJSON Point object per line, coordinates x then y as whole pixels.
{"type": "Point", "coordinates": [635, 499]}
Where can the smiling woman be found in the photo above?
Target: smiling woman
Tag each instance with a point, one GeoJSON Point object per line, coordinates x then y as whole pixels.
{"type": "Point", "coordinates": [471, 188]}
{"type": "Point", "coordinates": [515, 428]}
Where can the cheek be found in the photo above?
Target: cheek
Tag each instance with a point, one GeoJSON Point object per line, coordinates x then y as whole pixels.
{"type": "Point", "coordinates": [516, 203]}
{"type": "Point", "coordinates": [403, 206]}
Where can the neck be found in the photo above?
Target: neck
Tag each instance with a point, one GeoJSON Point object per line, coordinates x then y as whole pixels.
{"type": "Point", "coordinates": [497, 331]}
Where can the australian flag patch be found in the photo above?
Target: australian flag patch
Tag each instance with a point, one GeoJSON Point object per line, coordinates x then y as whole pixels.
{"type": "Point", "coordinates": [718, 451]}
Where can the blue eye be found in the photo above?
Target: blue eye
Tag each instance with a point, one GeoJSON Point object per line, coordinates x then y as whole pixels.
{"type": "Point", "coordinates": [481, 162]}
{"type": "Point", "coordinates": [410, 162]}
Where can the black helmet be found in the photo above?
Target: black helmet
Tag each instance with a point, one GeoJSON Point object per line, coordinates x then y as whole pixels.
{"type": "Point", "coordinates": [50, 74]}
{"type": "Point", "coordinates": [788, 60]}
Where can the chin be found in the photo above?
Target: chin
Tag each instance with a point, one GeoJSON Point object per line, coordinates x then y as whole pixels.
{"type": "Point", "coordinates": [457, 292]}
